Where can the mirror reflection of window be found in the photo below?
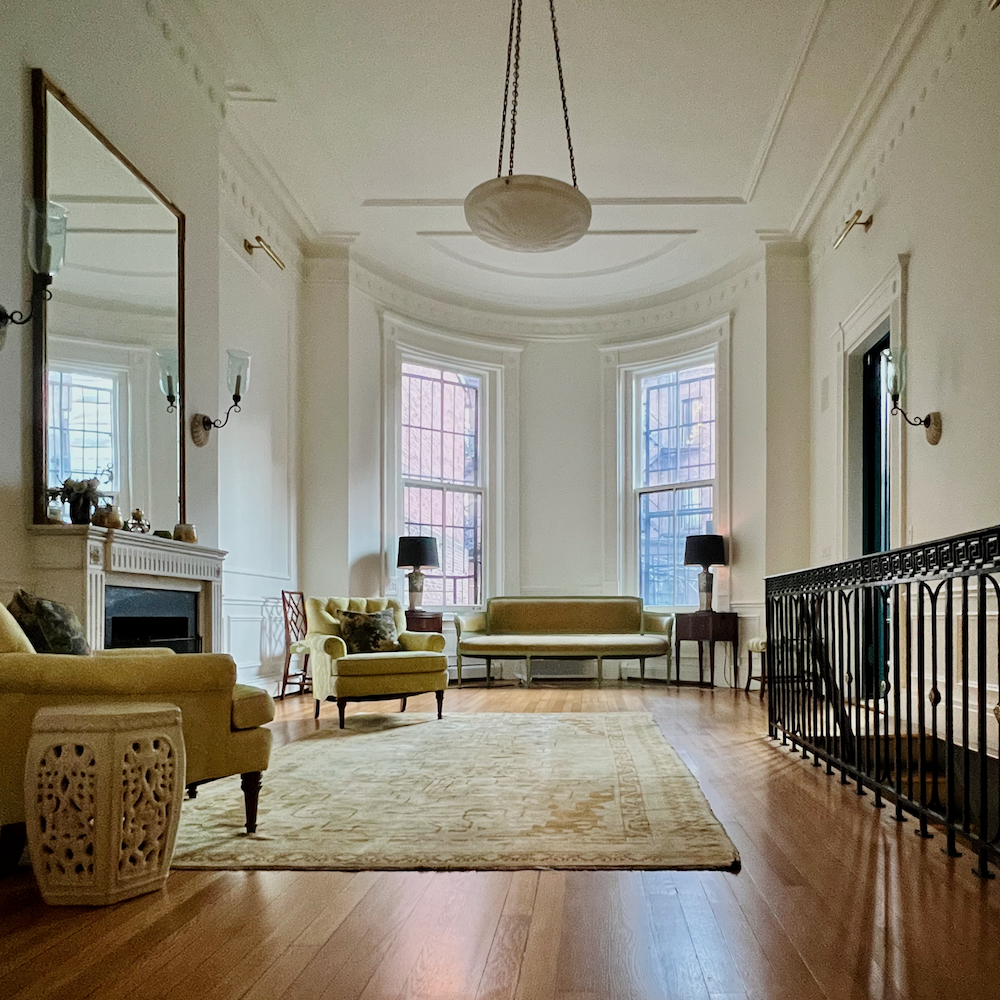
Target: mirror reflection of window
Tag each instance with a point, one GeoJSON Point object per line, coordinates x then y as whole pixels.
{"type": "Point", "coordinates": [83, 428]}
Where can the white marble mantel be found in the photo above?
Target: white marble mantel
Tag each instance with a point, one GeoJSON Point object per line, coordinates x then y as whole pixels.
{"type": "Point", "coordinates": [73, 564]}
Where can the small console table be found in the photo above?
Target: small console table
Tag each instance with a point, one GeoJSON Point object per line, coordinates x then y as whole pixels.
{"type": "Point", "coordinates": [710, 627]}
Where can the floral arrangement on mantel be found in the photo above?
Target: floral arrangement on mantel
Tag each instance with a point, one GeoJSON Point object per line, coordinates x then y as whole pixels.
{"type": "Point", "coordinates": [82, 496]}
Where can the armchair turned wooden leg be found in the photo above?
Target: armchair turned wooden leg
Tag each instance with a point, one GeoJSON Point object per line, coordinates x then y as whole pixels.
{"type": "Point", "coordinates": [341, 706]}
{"type": "Point", "coordinates": [458, 668]}
{"type": "Point", "coordinates": [251, 793]}
{"type": "Point", "coordinates": [440, 700]}
{"type": "Point", "coordinates": [402, 704]}
{"type": "Point", "coordinates": [316, 712]}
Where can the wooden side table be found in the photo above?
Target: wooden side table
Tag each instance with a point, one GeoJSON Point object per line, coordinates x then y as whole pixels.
{"type": "Point", "coordinates": [424, 621]}
{"type": "Point", "coordinates": [710, 627]}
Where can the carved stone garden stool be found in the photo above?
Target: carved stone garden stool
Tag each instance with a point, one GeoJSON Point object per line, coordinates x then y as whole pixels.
{"type": "Point", "coordinates": [102, 797]}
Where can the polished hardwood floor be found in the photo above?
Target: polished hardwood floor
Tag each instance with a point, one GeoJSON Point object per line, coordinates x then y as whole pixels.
{"type": "Point", "coordinates": [834, 900]}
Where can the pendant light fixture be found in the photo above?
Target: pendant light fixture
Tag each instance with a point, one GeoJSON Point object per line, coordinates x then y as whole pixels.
{"type": "Point", "coordinates": [527, 212]}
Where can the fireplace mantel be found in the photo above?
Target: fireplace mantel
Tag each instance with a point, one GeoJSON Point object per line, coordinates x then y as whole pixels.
{"type": "Point", "coordinates": [74, 563]}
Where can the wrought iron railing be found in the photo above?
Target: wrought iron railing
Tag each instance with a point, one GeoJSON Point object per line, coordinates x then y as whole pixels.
{"type": "Point", "coordinates": [887, 668]}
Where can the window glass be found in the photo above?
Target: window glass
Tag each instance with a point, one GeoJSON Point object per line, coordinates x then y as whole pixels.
{"type": "Point", "coordinates": [442, 491]}
{"type": "Point", "coordinates": [676, 478]}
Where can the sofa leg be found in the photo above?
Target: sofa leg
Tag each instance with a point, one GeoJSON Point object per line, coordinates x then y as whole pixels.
{"type": "Point", "coordinates": [341, 705]}
{"type": "Point", "coordinates": [13, 837]}
{"type": "Point", "coordinates": [402, 704]}
{"type": "Point", "coordinates": [600, 672]}
{"type": "Point", "coordinates": [489, 671]}
{"type": "Point", "coordinates": [642, 669]}
{"type": "Point", "coordinates": [316, 712]}
{"type": "Point", "coordinates": [251, 793]}
{"type": "Point", "coordinates": [527, 671]}
{"type": "Point", "coordinates": [458, 668]}
{"type": "Point", "coordinates": [440, 700]}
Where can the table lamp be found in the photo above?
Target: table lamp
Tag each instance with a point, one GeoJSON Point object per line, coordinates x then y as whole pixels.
{"type": "Point", "coordinates": [416, 551]}
{"type": "Point", "coordinates": [704, 551]}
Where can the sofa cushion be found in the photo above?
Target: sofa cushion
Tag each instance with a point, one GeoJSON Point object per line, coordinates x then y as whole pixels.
{"type": "Point", "coordinates": [49, 626]}
{"type": "Point", "coordinates": [252, 707]}
{"type": "Point", "coordinates": [12, 637]}
{"type": "Point", "coordinates": [373, 664]}
{"type": "Point", "coordinates": [557, 645]}
{"type": "Point", "coordinates": [369, 633]}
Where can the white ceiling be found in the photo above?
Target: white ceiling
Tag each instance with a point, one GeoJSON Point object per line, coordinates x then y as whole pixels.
{"type": "Point", "coordinates": [698, 128]}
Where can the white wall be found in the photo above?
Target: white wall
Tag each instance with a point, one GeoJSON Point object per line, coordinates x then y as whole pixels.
{"type": "Point", "coordinates": [927, 168]}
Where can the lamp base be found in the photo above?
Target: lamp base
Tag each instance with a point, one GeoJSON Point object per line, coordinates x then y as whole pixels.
{"type": "Point", "coordinates": [416, 582]}
{"type": "Point", "coordinates": [705, 582]}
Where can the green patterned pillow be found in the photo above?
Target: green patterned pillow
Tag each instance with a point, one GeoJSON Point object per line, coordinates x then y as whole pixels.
{"type": "Point", "coordinates": [369, 633]}
{"type": "Point", "coordinates": [50, 627]}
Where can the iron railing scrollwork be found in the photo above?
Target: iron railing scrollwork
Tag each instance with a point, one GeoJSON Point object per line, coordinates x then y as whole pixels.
{"type": "Point", "coordinates": [887, 669]}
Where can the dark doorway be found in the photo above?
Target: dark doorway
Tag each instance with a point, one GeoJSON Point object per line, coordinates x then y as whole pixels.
{"type": "Point", "coordinates": [875, 535]}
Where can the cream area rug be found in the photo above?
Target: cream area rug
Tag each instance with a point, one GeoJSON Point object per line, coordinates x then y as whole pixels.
{"type": "Point", "coordinates": [478, 791]}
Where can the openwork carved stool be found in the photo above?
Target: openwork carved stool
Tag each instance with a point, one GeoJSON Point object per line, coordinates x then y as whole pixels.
{"type": "Point", "coordinates": [102, 797]}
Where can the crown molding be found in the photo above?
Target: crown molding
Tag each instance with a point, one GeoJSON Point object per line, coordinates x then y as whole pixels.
{"type": "Point", "coordinates": [928, 65]}
{"type": "Point", "coordinates": [702, 303]}
{"type": "Point", "coordinates": [200, 66]}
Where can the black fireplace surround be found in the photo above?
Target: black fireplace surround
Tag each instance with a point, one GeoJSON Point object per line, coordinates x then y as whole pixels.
{"type": "Point", "coordinates": [145, 616]}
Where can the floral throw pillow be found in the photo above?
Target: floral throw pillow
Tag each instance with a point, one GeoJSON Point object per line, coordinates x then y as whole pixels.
{"type": "Point", "coordinates": [49, 626]}
{"type": "Point", "coordinates": [370, 633]}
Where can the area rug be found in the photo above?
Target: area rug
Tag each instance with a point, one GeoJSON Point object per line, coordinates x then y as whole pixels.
{"type": "Point", "coordinates": [477, 791]}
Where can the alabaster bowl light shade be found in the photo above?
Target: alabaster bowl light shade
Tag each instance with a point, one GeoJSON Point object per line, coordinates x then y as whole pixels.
{"type": "Point", "coordinates": [528, 213]}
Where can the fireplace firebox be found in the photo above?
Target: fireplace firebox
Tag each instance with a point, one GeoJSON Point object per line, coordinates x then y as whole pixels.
{"type": "Point", "coordinates": [147, 616]}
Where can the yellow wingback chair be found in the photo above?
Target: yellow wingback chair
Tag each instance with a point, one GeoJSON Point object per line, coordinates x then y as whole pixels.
{"type": "Point", "coordinates": [222, 720]}
{"type": "Point", "coordinates": [337, 675]}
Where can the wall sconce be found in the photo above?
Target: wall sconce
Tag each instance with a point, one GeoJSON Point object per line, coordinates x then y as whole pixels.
{"type": "Point", "coordinates": [238, 380]}
{"type": "Point", "coordinates": [896, 380]}
{"type": "Point", "coordinates": [261, 245]}
{"type": "Point", "coordinates": [854, 220]}
{"type": "Point", "coordinates": [169, 381]}
{"type": "Point", "coordinates": [46, 253]}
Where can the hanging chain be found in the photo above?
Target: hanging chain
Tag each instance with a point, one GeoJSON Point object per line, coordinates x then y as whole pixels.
{"type": "Point", "coordinates": [506, 88]}
{"type": "Point", "coordinates": [562, 90]}
{"type": "Point", "coordinates": [517, 72]}
{"type": "Point", "coordinates": [514, 46]}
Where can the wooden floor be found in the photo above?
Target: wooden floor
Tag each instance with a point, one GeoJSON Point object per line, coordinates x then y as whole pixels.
{"type": "Point", "coordinates": [834, 900]}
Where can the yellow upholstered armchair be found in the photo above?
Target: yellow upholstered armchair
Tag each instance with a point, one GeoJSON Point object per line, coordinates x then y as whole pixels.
{"type": "Point", "coordinates": [337, 675]}
{"type": "Point", "coordinates": [222, 720]}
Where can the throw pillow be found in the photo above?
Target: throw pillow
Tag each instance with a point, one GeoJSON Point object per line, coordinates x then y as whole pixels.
{"type": "Point", "coordinates": [50, 627]}
{"type": "Point", "coordinates": [369, 633]}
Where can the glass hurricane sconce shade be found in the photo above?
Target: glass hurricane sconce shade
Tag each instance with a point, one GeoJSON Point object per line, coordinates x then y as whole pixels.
{"type": "Point", "coordinates": [238, 380]}
{"type": "Point", "coordinates": [169, 381]}
{"type": "Point", "coordinates": [46, 252]}
{"type": "Point", "coordinates": [895, 384]}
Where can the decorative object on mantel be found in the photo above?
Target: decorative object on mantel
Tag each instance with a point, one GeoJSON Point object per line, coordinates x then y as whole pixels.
{"type": "Point", "coordinates": [46, 253]}
{"type": "Point", "coordinates": [238, 379]}
{"type": "Point", "coordinates": [137, 522]}
{"type": "Point", "coordinates": [527, 212]}
{"type": "Point", "coordinates": [82, 496]}
{"type": "Point", "coordinates": [108, 516]}
{"type": "Point", "coordinates": [185, 533]}
{"type": "Point", "coordinates": [895, 381]}
{"type": "Point", "coordinates": [162, 533]}
{"type": "Point", "coordinates": [262, 245]}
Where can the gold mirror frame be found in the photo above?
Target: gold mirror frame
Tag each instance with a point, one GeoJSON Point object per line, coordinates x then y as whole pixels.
{"type": "Point", "coordinates": [41, 88]}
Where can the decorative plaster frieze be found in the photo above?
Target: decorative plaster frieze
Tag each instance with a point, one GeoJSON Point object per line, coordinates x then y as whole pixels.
{"type": "Point", "coordinates": [671, 314]}
{"type": "Point", "coordinates": [206, 77]}
{"type": "Point", "coordinates": [854, 181]}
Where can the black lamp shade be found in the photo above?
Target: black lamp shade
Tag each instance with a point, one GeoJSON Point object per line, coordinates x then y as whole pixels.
{"type": "Point", "coordinates": [704, 550]}
{"type": "Point", "coordinates": [417, 551]}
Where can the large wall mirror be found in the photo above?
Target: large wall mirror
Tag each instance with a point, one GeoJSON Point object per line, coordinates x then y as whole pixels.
{"type": "Point", "coordinates": [109, 344]}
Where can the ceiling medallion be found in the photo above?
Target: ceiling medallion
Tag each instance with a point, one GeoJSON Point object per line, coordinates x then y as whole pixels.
{"type": "Point", "coordinates": [527, 212]}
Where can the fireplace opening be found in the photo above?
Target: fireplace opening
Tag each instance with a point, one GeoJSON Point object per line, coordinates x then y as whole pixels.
{"type": "Point", "coordinates": [145, 616]}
